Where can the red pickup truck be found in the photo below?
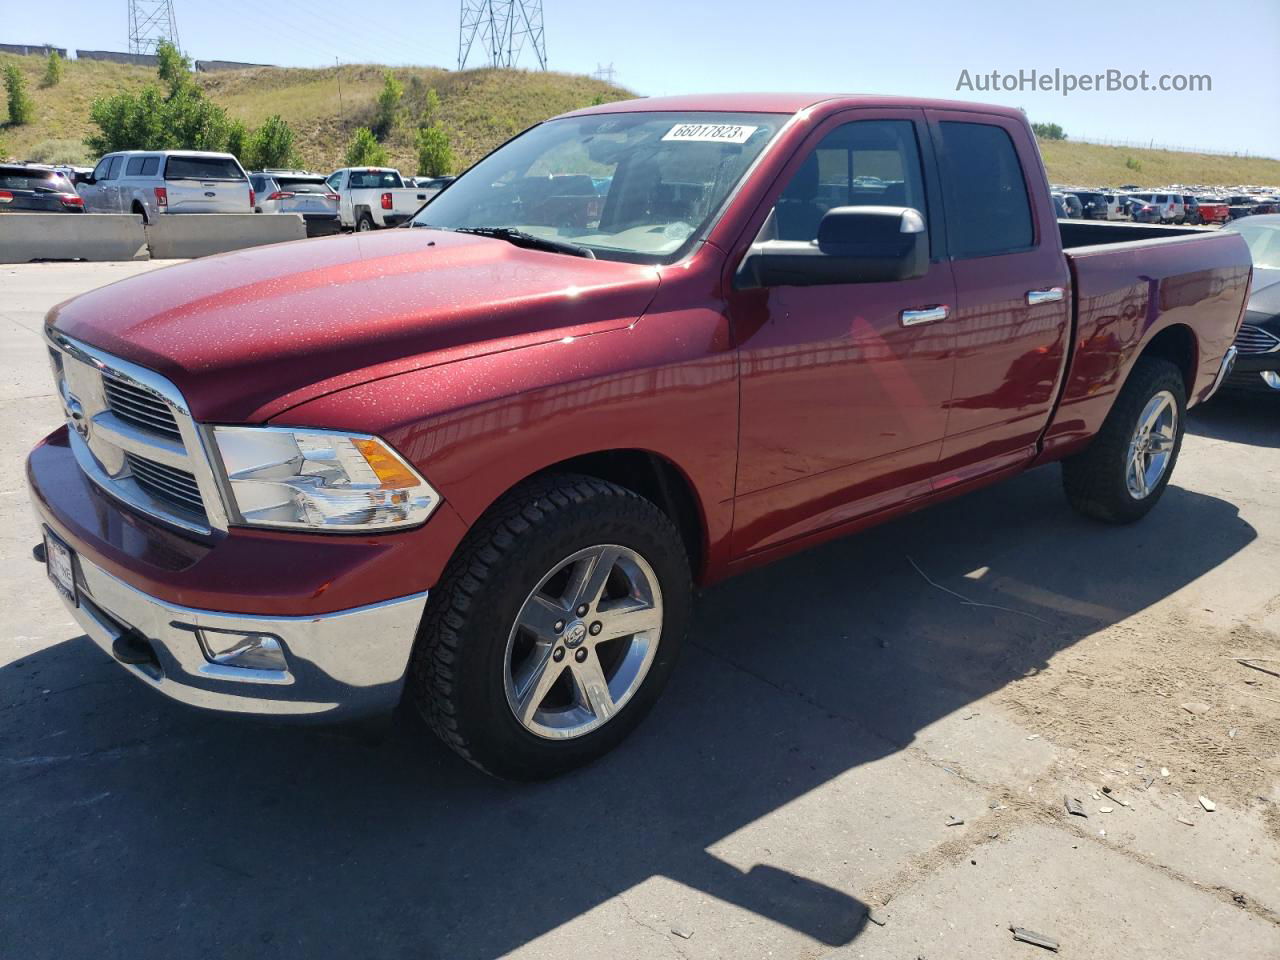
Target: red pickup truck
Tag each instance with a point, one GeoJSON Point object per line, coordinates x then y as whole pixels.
{"type": "Point", "coordinates": [477, 463]}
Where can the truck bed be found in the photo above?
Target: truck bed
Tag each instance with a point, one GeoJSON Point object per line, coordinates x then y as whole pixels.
{"type": "Point", "coordinates": [1132, 283]}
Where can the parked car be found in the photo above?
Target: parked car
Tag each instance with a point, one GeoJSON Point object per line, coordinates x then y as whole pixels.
{"type": "Point", "coordinates": [1143, 211]}
{"type": "Point", "coordinates": [1060, 206]}
{"type": "Point", "coordinates": [1240, 205]}
{"type": "Point", "coordinates": [373, 197]}
{"type": "Point", "coordinates": [1093, 204]}
{"type": "Point", "coordinates": [1191, 209]}
{"type": "Point", "coordinates": [433, 183]}
{"type": "Point", "coordinates": [1212, 209]}
{"type": "Point", "coordinates": [1169, 205]}
{"type": "Point", "coordinates": [157, 182]}
{"type": "Point", "coordinates": [1075, 209]}
{"type": "Point", "coordinates": [478, 463]}
{"type": "Point", "coordinates": [36, 190]}
{"type": "Point", "coordinates": [307, 194]}
{"type": "Point", "coordinates": [1117, 209]}
{"type": "Point", "coordinates": [1258, 342]}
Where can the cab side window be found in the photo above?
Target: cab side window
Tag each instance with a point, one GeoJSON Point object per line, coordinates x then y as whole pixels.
{"type": "Point", "coordinates": [113, 168]}
{"type": "Point", "coordinates": [864, 163]}
{"type": "Point", "coordinates": [100, 171]}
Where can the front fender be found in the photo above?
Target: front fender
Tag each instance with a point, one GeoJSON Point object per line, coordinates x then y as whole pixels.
{"type": "Point", "coordinates": [477, 427]}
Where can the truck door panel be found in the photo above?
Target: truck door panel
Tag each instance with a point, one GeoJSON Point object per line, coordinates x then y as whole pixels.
{"type": "Point", "coordinates": [1003, 240]}
{"type": "Point", "coordinates": [843, 407]}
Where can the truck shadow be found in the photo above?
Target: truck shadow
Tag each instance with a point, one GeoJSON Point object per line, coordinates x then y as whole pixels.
{"type": "Point", "coordinates": [1252, 418]}
{"type": "Point", "coordinates": [133, 827]}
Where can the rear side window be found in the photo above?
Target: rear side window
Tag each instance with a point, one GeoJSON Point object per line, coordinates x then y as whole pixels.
{"type": "Point", "coordinates": [988, 212]}
{"type": "Point", "coordinates": [202, 168]}
{"type": "Point", "coordinates": [142, 166]}
{"type": "Point", "coordinates": [866, 163]}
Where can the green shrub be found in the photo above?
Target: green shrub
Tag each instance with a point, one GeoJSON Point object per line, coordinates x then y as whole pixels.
{"type": "Point", "coordinates": [21, 108]}
{"type": "Point", "coordinates": [1048, 131]}
{"type": "Point", "coordinates": [435, 156]}
{"type": "Point", "coordinates": [52, 70]}
{"type": "Point", "coordinates": [1133, 163]}
{"type": "Point", "coordinates": [388, 106]}
{"type": "Point", "coordinates": [364, 150]}
{"type": "Point", "coordinates": [271, 145]}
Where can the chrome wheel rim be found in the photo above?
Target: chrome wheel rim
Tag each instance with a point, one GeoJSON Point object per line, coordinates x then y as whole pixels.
{"type": "Point", "coordinates": [583, 642]}
{"type": "Point", "coordinates": [1151, 446]}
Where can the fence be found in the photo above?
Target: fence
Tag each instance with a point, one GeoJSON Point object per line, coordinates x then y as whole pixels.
{"type": "Point", "coordinates": [32, 50]}
{"type": "Point", "coordinates": [1177, 148]}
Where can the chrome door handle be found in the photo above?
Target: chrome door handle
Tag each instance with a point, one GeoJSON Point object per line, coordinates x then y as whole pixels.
{"type": "Point", "coordinates": [1052, 295]}
{"type": "Point", "coordinates": [925, 315]}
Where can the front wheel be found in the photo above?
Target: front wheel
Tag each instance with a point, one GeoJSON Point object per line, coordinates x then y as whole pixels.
{"type": "Point", "coordinates": [1125, 469]}
{"type": "Point", "coordinates": [554, 629]}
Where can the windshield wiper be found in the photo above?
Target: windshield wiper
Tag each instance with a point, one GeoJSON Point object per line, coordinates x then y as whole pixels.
{"type": "Point", "coordinates": [529, 240]}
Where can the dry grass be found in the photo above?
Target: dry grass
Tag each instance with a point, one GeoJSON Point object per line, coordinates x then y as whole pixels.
{"type": "Point", "coordinates": [479, 109]}
{"type": "Point", "coordinates": [1089, 164]}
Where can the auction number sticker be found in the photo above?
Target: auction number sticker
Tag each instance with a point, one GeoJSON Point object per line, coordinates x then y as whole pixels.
{"type": "Point", "coordinates": [710, 132]}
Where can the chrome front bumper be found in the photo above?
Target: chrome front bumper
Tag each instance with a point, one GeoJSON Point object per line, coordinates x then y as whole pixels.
{"type": "Point", "coordinates": [337, 665]}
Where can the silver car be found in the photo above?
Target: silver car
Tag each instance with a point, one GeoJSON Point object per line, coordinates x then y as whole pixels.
{"type": "Point", "coordinates": [294, 191]}
{"type": "Point", "coordinates": [156, 182]}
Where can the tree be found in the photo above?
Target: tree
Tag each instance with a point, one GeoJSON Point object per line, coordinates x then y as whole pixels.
{"type": "Point", "coordinates": [21, 109]}
{"type": "Point", "coordinates": [435, 157]}
{"type": "Point", "coordinates": [271, 145]}
{"type": "Point", "coordinates": [174, 68]}
{"type": "Point", "coordinates": [364, 150]}
{"type": "Point", "coordinates": [388, 105]}
{"type": "Point", "coordinates": [431, 108]}
{"type": "Point", "coordinates": [1048, 131]}
{"type": "Point", "coordinates": [52, 69]}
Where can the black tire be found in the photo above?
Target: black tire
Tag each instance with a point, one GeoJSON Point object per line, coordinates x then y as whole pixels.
{"type": "Point", "coordinates": [141, 211]}
{"type": "Point", "coordinates": [457, 672]}
{"type": "Point", "coordinates": [1095, 479]}
{"type": "Point", "coordinates": [365, 223]}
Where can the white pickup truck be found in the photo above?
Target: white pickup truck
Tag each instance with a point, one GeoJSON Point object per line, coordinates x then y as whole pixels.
{"type": "Point", "coordinates": [373, 197]}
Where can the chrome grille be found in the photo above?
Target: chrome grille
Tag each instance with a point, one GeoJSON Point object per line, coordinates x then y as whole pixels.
{"type": "Point", "coordinates": [1253, 339]}
{"type": "Point", "coordinates": [139, 407]}
{"type": "Point", "coordinates": [167, 483]}
{"type": "Point", "coordinates": [133, 436]}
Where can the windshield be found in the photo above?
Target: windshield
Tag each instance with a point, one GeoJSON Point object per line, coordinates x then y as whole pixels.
{"type": "Point", "coordinates": [1263, 240]}
{"type": "Point", "coordinates": [638, 187]}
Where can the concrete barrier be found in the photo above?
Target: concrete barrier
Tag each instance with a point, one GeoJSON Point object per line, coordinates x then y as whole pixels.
{"type": "Point", "coordinates": [71, 236]}
{"type": "Point", "coordinates": [174, 236]}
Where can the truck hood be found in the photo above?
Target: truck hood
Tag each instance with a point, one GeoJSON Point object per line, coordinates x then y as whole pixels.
{"type": "Point", "coordinates": [246, 335]}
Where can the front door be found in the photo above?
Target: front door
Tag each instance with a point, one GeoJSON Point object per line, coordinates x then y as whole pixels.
{"type": "Point", "coordinates": [844, 387]}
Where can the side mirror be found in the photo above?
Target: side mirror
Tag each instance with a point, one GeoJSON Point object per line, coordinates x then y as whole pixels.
{"type": "Point", "coordinates": [854, 245]}
{"type": "Point", "coordinates": [90, 180]}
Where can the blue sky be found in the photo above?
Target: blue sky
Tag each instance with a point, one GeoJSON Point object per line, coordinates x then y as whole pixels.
{"type": "Point", "coordinates": [911, 48]}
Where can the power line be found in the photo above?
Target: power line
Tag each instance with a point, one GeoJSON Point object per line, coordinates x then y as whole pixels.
{"type": "Point", "coordinates": [503, 27]}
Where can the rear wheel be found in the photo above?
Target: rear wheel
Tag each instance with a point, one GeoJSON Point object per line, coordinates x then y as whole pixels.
{"type": "Point", "coordinates": [554, 629]}
{"type": "Point", "coordinates": [364, 223]}
{"type": "Point", "coordinates": [1124, 471]}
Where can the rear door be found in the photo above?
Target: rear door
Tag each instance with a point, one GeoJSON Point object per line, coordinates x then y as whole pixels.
{"type": "Point", "coordinates": [109, 185]}
{"type": "Point", "coordinates": [844, 386]}
{"type": "Point", "coordinates": [1011, 326]}
{"type": "Point", "coordinates": [201, 184]}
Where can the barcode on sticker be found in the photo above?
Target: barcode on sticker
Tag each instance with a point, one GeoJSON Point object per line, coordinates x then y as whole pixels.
{"type": "Point", "coordinates": [711, 132]}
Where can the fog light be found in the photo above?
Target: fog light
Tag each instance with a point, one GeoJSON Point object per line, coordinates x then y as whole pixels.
{"type": "Point", "coordinates": [249, 651]}
{"type": "Point", "coordinates": [1271, 378]}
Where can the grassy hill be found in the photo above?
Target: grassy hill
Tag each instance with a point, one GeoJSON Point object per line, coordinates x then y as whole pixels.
{"type": "Point", "coordinates": [479, 109]}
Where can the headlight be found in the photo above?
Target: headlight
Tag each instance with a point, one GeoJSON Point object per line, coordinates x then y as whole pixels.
{"type": "Point", "coordinates": [320, 480]}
